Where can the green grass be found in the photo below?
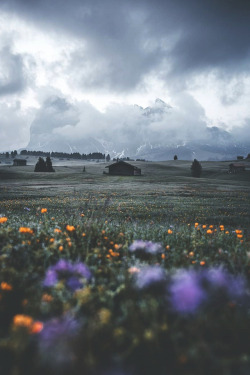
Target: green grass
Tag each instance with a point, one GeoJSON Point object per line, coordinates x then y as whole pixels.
{"type": "Point", "coordinates": [121, 327]}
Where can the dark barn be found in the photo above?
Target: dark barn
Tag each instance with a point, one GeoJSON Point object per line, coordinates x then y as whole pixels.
{"type": "Point", "coordinates": [236, 167]}
{"type": "Point", "coordinates": [121, 168]}
{"type": "Point", "coordinates": [19, 162]}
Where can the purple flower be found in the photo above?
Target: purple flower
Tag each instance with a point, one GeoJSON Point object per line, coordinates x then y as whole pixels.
{"type": "Point", "coordinates": [55, 340]}
{"type": "Point", "coordinates": [148, 247]}
{"type": "Point", "coordinates": [150, 276]}
{"type": "Point", "coordinates": [63, 266]}
{"type": "Point", "coordinates": [71, 274]}
{"type": "Point", "coordinates": [217, 277]}
{"type": "Point", "coordinates": [73, 283]}
{"type": "Point", "coordinates": [82, 270]}
{"type": "Point", "coordinates": [50, 278]}
{"type": "Point", "coordinates": [186, 294]}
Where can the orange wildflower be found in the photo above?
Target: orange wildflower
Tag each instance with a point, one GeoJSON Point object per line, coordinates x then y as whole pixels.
{"type": "Point", "coordinates": [6, 286]}
{"type": "Point", "coordinates": [25, 230]}
{"type": "Point", "coordinates": [84, 234]}
{"type": "Point", "coordinates": [3, 219]}
{"type": "Point", "coordinates": [47, 297]}
{"type": "Point", "coordinates": [239, 235]}
{"type": "Point", "coordinates": [196, 225]}
{"type": "Point", "coordinates": [37, 327]}
{"type": "Point", "coordinates": [209, 231]}
{"type": "Point", "coordinates": [43, 210]}
{"type": "Point", "coordinates": [60, 248]}
{"type": "Point", "coordinates": [70, 228]}
{"type": "Point", "coordinates": [21, 320]}
{"type": "Point", "coordinates": [238, 231]}
{"type": "Point", "coordinates": [170, 231]}
{"type": "Point", "coordinates": [191, 254]}
{"type": "Point", "coordinates": [204, 226]}
{"type": "Point", "coordinates": [57, 230]}
{"type": "Point", "coordinates": [163, 256]}
{"type": "Point", "coordinates": [51, 240]}
{"type": "Point", "coordinates": [202, 263]}
{"type": "Point", "coordinates": [167, 247]}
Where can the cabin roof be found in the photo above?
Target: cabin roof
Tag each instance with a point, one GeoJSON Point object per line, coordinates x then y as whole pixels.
{"type": "Point", "coordinates": [122, 163]}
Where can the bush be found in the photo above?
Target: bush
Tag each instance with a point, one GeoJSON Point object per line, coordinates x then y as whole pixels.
{"type": "Point", "coordinates": [196, 168]}
{"type": "Point", "coordinates": [42, 166]}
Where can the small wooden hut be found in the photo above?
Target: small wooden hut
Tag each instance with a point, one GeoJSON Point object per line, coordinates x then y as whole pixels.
{"type": "Point", "coordinates": [236, 167]}
{"type": "Point", "coordinates": [19, 162]}
{"type": "Point", "coordinates": [121, 168]}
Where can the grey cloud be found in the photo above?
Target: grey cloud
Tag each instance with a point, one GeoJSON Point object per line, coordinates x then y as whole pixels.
{"type": "Point", "coordinates": [124, 41]}
{"type": "Point", "coordinates": [12, 72]}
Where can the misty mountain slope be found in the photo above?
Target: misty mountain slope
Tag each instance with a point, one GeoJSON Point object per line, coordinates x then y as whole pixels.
{"type": "Point", "coordinates": [154, 133]}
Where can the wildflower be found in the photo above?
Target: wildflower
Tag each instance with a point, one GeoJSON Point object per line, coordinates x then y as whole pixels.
{"type": "Point", "coordinates": [37, 327]}
{"type": "Point", "coordinates": [3, 219]}
{"type": "Point", "coordinates": [239, 235]}
{"type": "Point", "coordinates": [209, 231]}
{"type": "Point", "coordinates": [196, 225]}
{"type": "Point", "coordinates": [186, 294]}
{"type": "Point", "coordinates": [57, 230]}
{"type": "Point", "coordinates": [148, 247]}
{"type": "Point", "coordinates": [47, 297]}
{"type": "Point", "coordinates": [72, 274]}
{"type": "Point", "coordinates": [26, 321]}
{"type": "Point", "coordinates": [83, 234]}
{"type": "Point", "coordinates": [55, 340]}
{"type": "Point", "coordinates": [104, 315]}
{"type": "Point", "coordinates": [170, 231]}
{"type": "Point", "coordinates": [202, 262]}
{"type": "Point", "coordinates": [133, 270]}
{"type": "Point", "coordinates": [70, 228]}
{"type": "Point", "coordinates": [238, 231]}
{"type": "Point", "coordinates": [191, 254]}
{"type": "Point", "coordinates": [60, 248]}
{"type": "Point", "coordinates": [6, 286]}
{"type": "Point", "coordinates": [25, 230]}
{"type": "Point", "coordinates": [150, 276]}
{"type": "Point", "coordinates": [204, 226]}
{"type": "Point", "coordinates": [43, 210]}
{"type": "Point", "coordinates": [163, 256]}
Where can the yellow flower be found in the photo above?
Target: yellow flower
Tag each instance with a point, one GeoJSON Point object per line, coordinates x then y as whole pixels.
{"type": "Point", "coordinates": [43, 210]}
{"type": "Point", "coordinates": [3, 219]}
{"type": "Point", "coordinates": [104, 315]}
{"type": "Point", "coordinates": [25, 230]}
{"type": "Point", "coordinates": [70, 228]}
{"type": "Point", "coordinates": [5, 286]}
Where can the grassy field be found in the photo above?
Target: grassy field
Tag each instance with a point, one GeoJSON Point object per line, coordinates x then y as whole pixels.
{"type": "Point", "coordinates": [124, 275]}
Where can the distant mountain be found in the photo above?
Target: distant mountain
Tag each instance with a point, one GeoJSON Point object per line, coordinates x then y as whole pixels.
{"type": "Point", "coordinates": [214, 143]}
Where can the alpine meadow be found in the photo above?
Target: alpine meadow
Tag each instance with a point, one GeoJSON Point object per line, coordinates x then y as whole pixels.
{"type": "Point", "coordinates": [105, 274]}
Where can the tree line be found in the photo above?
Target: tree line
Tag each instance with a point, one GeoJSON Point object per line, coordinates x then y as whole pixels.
{"type": "Point", "coordinates": [73, 155]}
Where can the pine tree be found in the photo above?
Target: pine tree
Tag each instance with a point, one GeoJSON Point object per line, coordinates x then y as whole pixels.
{"type": "Point", "coordinates": [196, 168]}
{"type": "Point", "coordinates": [40, 166]}
{"type": "Point", "coordinates": [49, 167]}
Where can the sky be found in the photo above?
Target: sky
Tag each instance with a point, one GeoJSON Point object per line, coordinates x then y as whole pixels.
{"type": "Point", "coordinates": [77, 67]}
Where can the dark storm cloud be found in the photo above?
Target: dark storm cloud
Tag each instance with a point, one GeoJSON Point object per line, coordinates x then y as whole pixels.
{"type": "Point", "coordinates": [125, 41]}
{"type": "Point", "coordinates": [12, 72]}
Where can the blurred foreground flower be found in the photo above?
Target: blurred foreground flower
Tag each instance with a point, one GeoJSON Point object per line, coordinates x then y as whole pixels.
{"type": "Point", "coordinates": [55, 341]}
{"type": "Point", "coordinates": [186, 294]}
{"type": "Point", "coordinates": [73, 275]}
{"type": "Point", "coordinates": [3, 219]}
{"type": "Point", "coordinates": [147, 247]}
{"type": "Point", "coordinates": [150, 276]}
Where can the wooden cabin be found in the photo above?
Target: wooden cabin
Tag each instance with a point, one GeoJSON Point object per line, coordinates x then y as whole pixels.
{"type": "Point", "coordinates": [121, 168]}
{"type": "Point", "coordinates": [19, 162]}
{"type": "Point", "coordinates": [236, 167]}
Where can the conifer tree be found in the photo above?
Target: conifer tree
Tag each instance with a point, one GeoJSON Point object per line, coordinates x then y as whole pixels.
{"type": "Point", "coordinates": [196, 168]}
